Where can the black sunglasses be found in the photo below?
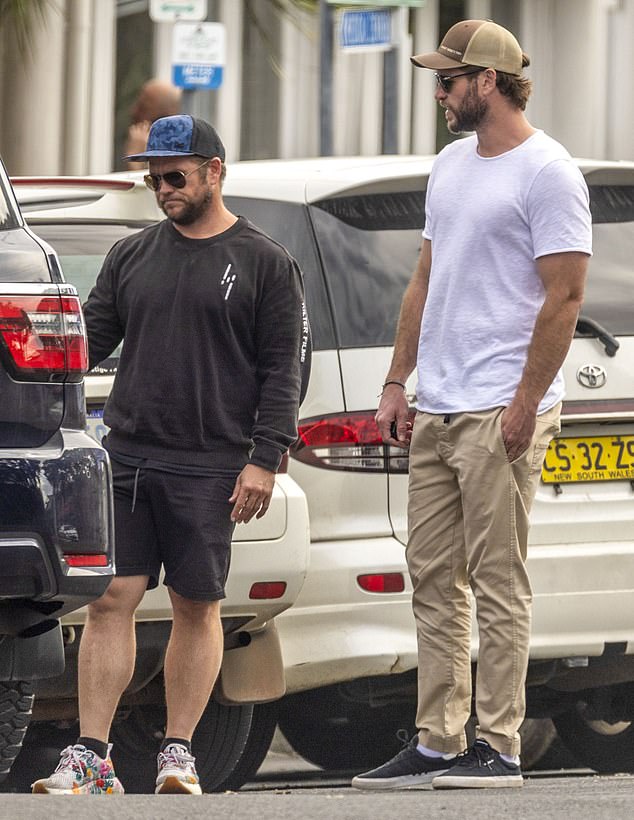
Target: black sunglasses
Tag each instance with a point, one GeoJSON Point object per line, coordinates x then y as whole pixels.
{"type": "Point", "coordinates": [445, 81]}
{"type": "Point", "coordinates": [175, 179]}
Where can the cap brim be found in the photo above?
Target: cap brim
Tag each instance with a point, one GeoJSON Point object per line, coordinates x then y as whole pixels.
{"type": "Point", "coordinates": [150, 154]}
{"type": "Point", "coordinates": [436, 61]}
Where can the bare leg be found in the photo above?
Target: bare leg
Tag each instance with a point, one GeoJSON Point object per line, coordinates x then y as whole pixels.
{"type": "Point", "coordinates": [192, 662]}
{"type": "Point", "coordinates": [107, 654]}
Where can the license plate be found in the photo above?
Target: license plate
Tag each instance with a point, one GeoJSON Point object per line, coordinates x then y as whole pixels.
{"type": "Point", "coordinates": [96, 428]}
{"type": "Point", "coordinates": [601, 458]}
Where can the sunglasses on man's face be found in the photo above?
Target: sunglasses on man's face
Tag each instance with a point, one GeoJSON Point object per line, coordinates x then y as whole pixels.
{"type": "Point", "coordinates": [175, 179]}
{"type": "Point", "coordinates": [446, 81]}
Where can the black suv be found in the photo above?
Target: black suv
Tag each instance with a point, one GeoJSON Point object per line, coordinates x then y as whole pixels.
{"type": "Point", "coordinates": [56, 527]}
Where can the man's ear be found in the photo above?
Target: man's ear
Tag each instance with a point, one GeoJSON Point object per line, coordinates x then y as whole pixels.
{"type": "Point", "coordinates": [488, 80]}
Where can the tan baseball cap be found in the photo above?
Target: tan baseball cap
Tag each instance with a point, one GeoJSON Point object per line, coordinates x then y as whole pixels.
{"type": "Point", "coordinates": [476, 42]}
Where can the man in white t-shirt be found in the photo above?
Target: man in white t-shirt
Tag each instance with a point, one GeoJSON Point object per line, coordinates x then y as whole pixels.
{"type": "Point", "coordinates": [487, 320]}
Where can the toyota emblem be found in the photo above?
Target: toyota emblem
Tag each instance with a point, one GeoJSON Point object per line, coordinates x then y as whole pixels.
{"type": "Point", "coordinates": [592, 376]}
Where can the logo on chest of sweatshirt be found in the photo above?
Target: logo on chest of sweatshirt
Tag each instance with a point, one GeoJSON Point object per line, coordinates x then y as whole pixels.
{"type": "Point", "coordinates": [227, 281]}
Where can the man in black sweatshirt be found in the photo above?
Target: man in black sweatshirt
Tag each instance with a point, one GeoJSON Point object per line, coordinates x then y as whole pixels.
{"type": "Point", "coordinates": [204, 405]}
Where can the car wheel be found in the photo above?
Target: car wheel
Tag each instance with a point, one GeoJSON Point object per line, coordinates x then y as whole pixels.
{"type": "Point", "coordinates": [337, 734]}
{"type": "Point", "coordinates": [263, 725]}
{"type": "Point", "coordinates": [537, 736]}
{"type": "Point", "coordinates": [217, 744]}
{"type": "Point", "coordinates": [602, 746]}
{"type": "Point", "coordinates": [39, 754]}
{"type": "Point", "coordinates": [16, 703]}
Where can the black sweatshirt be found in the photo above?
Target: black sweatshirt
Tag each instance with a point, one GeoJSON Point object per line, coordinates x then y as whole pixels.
{"type": "Point", "coordinates": [214, 332]}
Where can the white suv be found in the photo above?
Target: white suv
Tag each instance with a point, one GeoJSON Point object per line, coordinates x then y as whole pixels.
{"type": "Point", "coordinates": [81, 219]}
{"type": "Point", "coordinates": [349, 640]}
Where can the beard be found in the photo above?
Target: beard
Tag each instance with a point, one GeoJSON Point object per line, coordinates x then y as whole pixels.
{"type": "Point", "coordinates": [191, 211]}
{"type": "Point", "coordinates": [471, 113]}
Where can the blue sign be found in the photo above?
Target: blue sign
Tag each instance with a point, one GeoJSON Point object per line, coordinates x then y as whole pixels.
{"type": "Point", "coordinates": [368, 29]}
{"type": "Point", "coordinates": [197, 75]}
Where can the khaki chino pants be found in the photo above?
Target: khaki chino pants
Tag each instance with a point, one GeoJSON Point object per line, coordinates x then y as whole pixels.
{"type": "Point", "coordinates": [468, 516]}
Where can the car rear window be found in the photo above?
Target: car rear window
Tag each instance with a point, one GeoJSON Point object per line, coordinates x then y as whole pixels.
{"type": "Point", "coordinates": [369, 245]}
{"type": "Point", "coordinates": [81, 248]}
{"type": "Point", "coordinates": [288, 223]}
{"type": "Point", "coordinates": [610, 284]}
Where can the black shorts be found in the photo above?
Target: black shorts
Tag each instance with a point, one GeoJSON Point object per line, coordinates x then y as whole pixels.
{"type": "Point", "coordinates": [179, 521]}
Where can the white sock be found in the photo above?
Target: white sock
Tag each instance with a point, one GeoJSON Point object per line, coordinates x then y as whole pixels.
{"type": "Point", "coordinates": [511, 759]}
{"type": "Point", "coordinates": [424, 750]}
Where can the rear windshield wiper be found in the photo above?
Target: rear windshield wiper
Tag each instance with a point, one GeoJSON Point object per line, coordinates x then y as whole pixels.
{"type": "Point", "coordinates": [589, 327]}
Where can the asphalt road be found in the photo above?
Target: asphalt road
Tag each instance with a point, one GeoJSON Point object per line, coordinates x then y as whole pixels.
{"type": "Point", "coordinates": [288, 788]}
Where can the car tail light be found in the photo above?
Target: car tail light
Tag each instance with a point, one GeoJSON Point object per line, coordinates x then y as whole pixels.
{"type": "Point", "coordinates": [348, 441]}
{"type": "Point", "coordinates": [382, 582]}
{"type": "Point", "coordinates": [95, 559]}
{"type": "Point", "coordinates": [267, 589]}
{"type": "Point", "coordinates": [45, 337]}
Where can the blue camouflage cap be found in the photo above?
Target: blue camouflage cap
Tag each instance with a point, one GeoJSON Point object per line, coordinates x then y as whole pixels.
{"type": "Point", "coordinates": [181, 136]}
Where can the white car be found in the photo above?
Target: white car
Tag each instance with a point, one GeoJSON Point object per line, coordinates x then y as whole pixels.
{"type": "Point", "coordinates": [348, 642]}
{"type": "Point", "coordinates": [81, 219]}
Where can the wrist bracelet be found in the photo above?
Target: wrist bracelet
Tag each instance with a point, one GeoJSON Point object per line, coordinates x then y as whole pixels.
{"type": "Point", "coordinates": [393, 381]}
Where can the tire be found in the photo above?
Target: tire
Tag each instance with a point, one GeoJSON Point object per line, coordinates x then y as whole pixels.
{"type": "Point", "coordinates": [337, 734]}
{"type": "Point", "coordinates": [16, 704]}
{"type": "Point", "coordinates": [39, 755]}
{"type": "Point", "coordinates": [537, 736]}
{"type": "Point", "coordinates": [604, 747]}
{"type": "Point", "coordinates": [218, 743]}
{"type": "Point", "coordinates": [263, 725]}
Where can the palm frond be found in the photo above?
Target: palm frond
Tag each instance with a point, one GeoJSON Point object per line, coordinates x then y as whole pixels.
{"type": "Point", "coordinates": [20, 17]}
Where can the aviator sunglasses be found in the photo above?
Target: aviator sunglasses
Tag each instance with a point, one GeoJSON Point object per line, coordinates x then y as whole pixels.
{"type": "Point", "coordinates": [446, 81]}
{"type": "Point", "coordinates": [175, 179]}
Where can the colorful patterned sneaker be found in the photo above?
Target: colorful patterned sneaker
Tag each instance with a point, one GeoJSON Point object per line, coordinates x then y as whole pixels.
{"type": "Point", "coordinates": [408, 768]}
{"type": "Point", "coordinates": [480, 767]}
{"type": "Point", "coordinates": [80, 771]}
{"type": "Point", "coordinates": [176, 771]}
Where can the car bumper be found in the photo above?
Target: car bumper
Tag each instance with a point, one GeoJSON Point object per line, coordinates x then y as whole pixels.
{"type": "Point", "coordinates": [337, 632]}
{"type": "Point", "coordinates": [56, 503]}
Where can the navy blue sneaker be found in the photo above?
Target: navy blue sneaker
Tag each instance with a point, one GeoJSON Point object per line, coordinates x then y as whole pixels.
{"type": "Point", "coordinates": [480, 767]}
{"type": "Point", "coordinates": [408, 768]}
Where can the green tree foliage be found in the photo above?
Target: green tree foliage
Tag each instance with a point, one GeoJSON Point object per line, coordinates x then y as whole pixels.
{"type": "Point", "coordinates": [18, 18]}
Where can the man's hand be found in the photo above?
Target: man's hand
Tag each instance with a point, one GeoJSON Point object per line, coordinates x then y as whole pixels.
{"type": "Point", "coordinates": [391, 417]}
{"type": "Point", "coordinates": [252, 493]}
{"type": "Point", "coordinates": [518, 425]}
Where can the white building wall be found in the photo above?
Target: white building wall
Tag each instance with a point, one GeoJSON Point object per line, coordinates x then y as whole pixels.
{"type": "Point", "coordinates": [619, 80]}
{"type": "Point", "coordinates": [567, 43]}
{"type": "Point", "coordinates": [423, 105]}
{"type": "Point", "coordinates": [299, 107]}
{"type": "Point", "coordinates": [33, 99]}
{"type": "Point", "coordinates": [57, 109]}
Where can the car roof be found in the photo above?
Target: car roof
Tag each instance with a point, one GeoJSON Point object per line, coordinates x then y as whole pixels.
{"type": "Point", "coordinates": [295, 180]}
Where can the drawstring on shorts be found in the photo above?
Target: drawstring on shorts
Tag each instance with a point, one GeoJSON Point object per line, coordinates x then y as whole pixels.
{"type": "Point", "coordinates": [136, 484]}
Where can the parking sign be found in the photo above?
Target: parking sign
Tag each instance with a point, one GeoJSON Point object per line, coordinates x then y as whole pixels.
{"type": "Point", "coordinates": [198, 55]}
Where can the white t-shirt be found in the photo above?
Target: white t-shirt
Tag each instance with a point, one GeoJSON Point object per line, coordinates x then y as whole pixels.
{"type": "Point", "coordinates": [489, 219]}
